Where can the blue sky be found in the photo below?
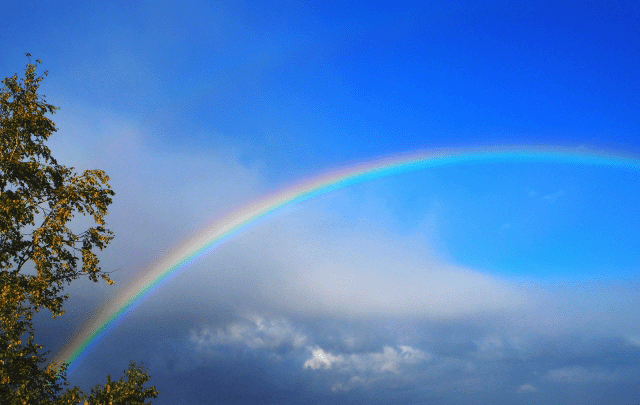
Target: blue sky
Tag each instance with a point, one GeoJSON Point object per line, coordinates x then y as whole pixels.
{"type": "Point", "coordinates": [480, 283]}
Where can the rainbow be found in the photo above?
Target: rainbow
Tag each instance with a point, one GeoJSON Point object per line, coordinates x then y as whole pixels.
{"type": "Point", "coordinates": [230, 226]}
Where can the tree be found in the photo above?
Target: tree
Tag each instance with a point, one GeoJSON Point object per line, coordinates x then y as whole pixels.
{"type": "Point", "coordinates": [40, 254]}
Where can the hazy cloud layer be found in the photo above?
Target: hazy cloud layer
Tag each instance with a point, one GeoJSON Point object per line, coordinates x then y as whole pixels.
{"type": "Point", "coordinates": [339, 303]}
{"type": "Point", "coordinates": [485, 360]}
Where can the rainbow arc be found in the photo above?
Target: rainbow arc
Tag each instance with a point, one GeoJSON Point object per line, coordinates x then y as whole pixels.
{"type": "Point", "coordinates": [230, 226]}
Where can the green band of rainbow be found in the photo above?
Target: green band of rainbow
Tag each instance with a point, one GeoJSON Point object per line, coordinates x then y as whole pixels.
{"type": "Point", "coordinates": [230, 226]}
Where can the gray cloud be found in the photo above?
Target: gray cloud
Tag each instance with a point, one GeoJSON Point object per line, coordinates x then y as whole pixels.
{"type": "Point", "coordinates": [578, 374]}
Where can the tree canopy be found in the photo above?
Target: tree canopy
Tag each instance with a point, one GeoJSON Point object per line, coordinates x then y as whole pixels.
{"type": "Point", "coordinates": [40, 253]}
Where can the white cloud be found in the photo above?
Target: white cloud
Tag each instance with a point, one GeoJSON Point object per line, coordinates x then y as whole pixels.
{"type": "Point", "coordinates": [490, 347]}
{"type": "Point", "coordinates": [256, 332]}
{"type": "Point", "coordinates": [361, 269]}
{"type": "Point", "coordinates": [548, 197]}
{"type": "Point", "coordinates": [553, 196]}
{"type": "Point", "coordinates": [633, 340]}
{"type": "Point", "coordinates": [162, 195]}
{"type": "Point", "coordinates": [524, 388]}
{"type": "Point", "coordinates": [356, 268]}
{"type": "Point", "coordinates": [321, 359]}
{"type": "Point", "coordinates": [496, 346]}
{"type": "Point", "coordinates": [388, 360]}
{"type": "Point", "coordinates": [352, 382]}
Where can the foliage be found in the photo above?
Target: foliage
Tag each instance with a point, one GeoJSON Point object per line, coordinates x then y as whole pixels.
{"type": "Point", "coordinates": [40, 253]}
{"type": "Point", "coordinates": [130, 392]}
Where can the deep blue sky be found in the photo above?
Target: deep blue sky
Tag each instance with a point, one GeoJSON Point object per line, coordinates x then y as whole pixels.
{"type": "Point", "coordinates": [481, 283]}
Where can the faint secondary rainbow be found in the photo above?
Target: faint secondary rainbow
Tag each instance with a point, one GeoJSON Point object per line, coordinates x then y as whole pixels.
{"type": "Point", "coordinates": [231, 225]}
